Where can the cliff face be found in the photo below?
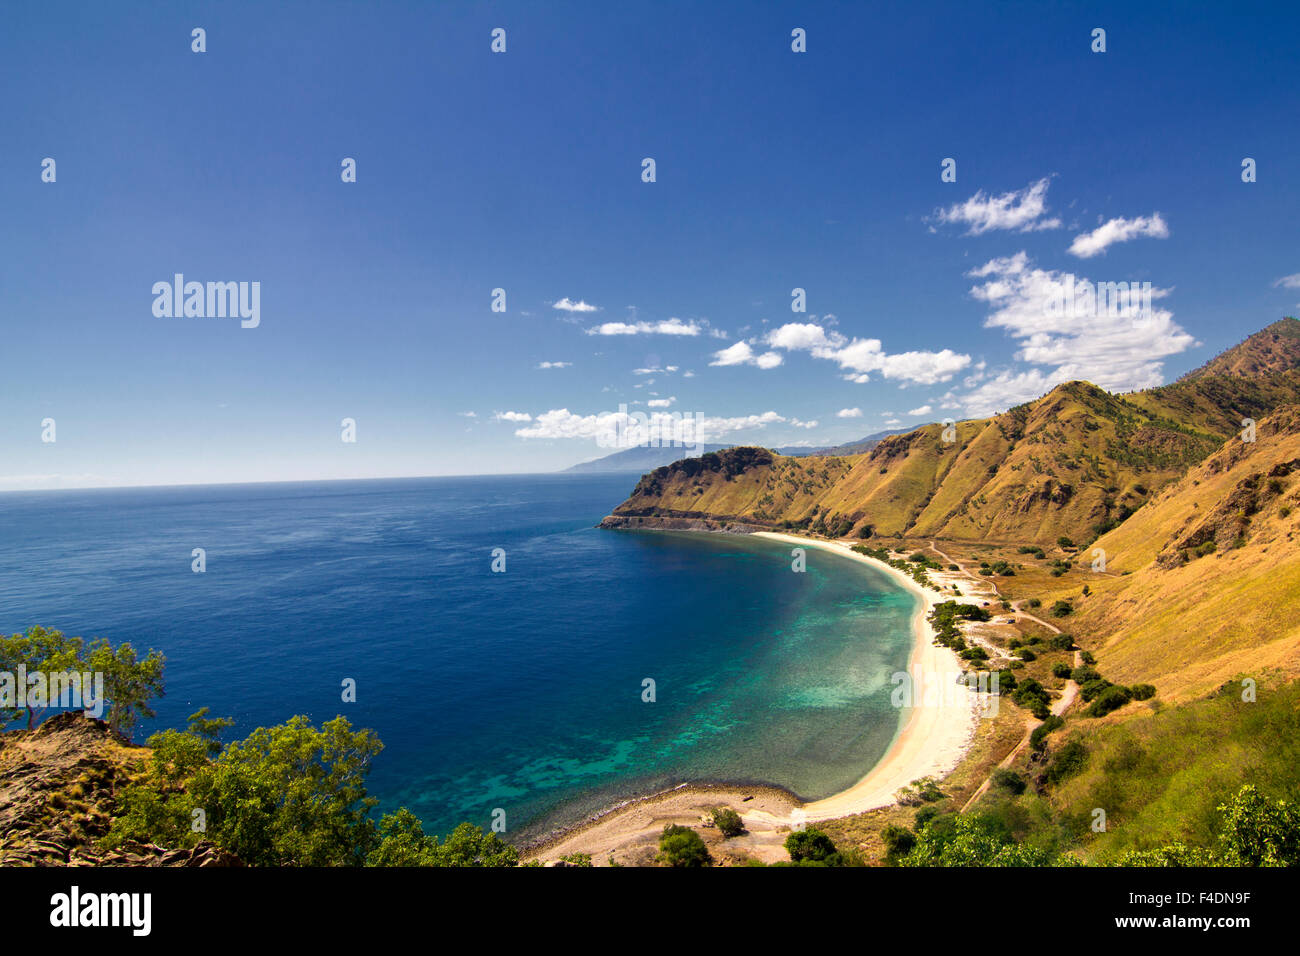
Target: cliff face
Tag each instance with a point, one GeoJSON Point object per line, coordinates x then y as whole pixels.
{"type": "Point", "coordinates": [59, 786]}
{"type": "Point", "coordinates": [1076, 462]}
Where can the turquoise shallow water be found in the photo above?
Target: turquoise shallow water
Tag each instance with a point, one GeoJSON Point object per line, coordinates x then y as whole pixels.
{"type": "Point", "coordinates": [521, 690]}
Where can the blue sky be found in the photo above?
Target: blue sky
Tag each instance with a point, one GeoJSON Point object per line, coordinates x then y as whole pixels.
{"type": "Point", "coordinates": [522, 170]}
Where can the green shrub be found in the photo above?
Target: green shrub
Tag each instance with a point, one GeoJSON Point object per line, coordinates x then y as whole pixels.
{"type": "Point", "coordinates": [682, 846]}
{"type": "Point", "coordinates": [1143, 691]}
{"type": "Point", "coordinates": [1094, 689]}
{"type": "Point", "coordinates": [898, 841]}
{"type": "Point", "coordinates": [1112, 698]}
{"type": "Point", "coordinates": [1061, 669]}
{"type": "Point", "coordinates": [728, 822]}
{"type": "Point", "coordinates": [1062, 609]}
{"type": "Point", "coordinates": [1009, 781]}
{"type": "Point", "coordinates": [1038, 739]}
{"type": "Point", "coordinates": [809, 845]}
{"type": "Point", "coordinates": [1069, 760]}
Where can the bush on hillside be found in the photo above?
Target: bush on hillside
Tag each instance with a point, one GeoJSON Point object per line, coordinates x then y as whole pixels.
{"type": "Point", "coordinates": [1112, 698]}
{"type": "Point", "coordinates": [682, 847]}
{"type": "Point", "coordinates": [728, 822]}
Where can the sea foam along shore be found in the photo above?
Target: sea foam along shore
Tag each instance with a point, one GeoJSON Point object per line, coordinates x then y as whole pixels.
{"type": "Point", "coordinates": [936, 733]}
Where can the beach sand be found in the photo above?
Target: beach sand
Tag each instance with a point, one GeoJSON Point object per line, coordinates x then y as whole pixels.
{"type": "Point", "coordinates": [934, 737]}
{"type": "Point", "coordinates": [931, 742]}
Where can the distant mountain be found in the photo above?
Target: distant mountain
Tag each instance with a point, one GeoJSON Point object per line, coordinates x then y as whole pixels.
{"type": "Point", "coordinates": [637, 460]}
{"type": "Point", "coordinates": [1076, 462]}
{"type": "Point", "coordinates": [647, 458]}
{"type": "Point", "coordinates": [862, 445]}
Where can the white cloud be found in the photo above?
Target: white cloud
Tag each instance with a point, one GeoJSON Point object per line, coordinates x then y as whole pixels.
{"type": "Point", "coordinates": [606, 426]}
{"type": "Point", "coordinates": [512, 417]}
{"type": "Point", "coordinates": [1089, 244]}
{"type": "Point", "coordinates": [661, 402]}
{"type": "Point", "coordinates": [653, 371]}
{"type": "Point", "coordinates": [858, 357]}
{"type": "Point", "coordinates": [801, 336]}
{"type": "Point", "coordinates": [1119, 349]}
{"type": "Point", "coordinates": [568, 305]}
{"type": "Point", "coordinates": [742, 354]}
{"type": "Point", "coordinates": [468, 414]}
{"type": "Point", "coordinates": [1009, 388]}
{"type": "Point", "coordinates": [663, 327]}
{"type": "Point", "coordinates": [849, 413]}
{"type": "Point", "coordinates": [923, 410]}
{"type": "Point", "coordinates": [554, 364]}
{"type": "Point", "coordinates": [1020, 209]}
{"type": "Point", "coordinates": [1288, 282]}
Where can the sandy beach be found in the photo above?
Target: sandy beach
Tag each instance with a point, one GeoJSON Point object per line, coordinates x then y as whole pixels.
{"type": "Point", "coordinates": [935, 737]}
{"type": "Point", "coordinates": [931, 742]}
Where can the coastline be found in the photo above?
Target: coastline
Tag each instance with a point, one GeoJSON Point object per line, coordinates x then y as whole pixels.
{"type": "Point", "coordinates": [931, 741]}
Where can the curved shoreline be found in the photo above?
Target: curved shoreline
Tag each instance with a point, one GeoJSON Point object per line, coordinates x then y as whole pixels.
{"type": "Point", "coordinates": [934, 737]}
{"type": "Point", "coordinates": [930, 742]}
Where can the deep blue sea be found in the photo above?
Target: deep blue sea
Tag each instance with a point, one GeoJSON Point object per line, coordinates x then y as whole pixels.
{"type": "Point", "coordinates": [519, 690]}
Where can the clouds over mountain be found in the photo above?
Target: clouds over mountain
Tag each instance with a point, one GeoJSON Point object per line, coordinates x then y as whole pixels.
{"type": "Point", "coordinates": [1076, 329]}
{"type": "Point", "coordinates": [860, 358]}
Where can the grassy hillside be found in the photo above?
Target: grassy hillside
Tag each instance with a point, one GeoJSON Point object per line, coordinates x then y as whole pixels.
{"type": "Point", "coordinates": [1076, 462]}
{"type": "Point", "coordinates": [1208, 575]}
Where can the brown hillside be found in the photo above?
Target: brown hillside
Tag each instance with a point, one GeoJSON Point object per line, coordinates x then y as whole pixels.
{"type": "Point", "coordinates": [1209, 572]}
{"type": "Point", "coordinates": [1076, 462]}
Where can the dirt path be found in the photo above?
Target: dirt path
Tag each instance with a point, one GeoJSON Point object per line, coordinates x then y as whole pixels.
{"type": "Point", "coordinates": [1068, 695]}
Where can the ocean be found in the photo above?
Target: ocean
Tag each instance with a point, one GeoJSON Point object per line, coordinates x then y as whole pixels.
{"type": "Point", "coordinates": [519, 690]}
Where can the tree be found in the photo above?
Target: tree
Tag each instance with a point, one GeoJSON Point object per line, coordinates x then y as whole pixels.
{"type": "Point", "coordinates": [1009, 780]}
{"type": "Point", "coordinates": [129, 683]}
{"type": "Point", "coordinates": [1112, 698]}
{"type": "Point", "coordinates": [286, 795]}
{"type": "Point", "coordinates": [728, 822]}
{"type": "Point", "coordinates": [1069, 760]}
{"type": "Point", "coordinates": [972, 840]}
{"type": "Point", "coordinates": [812, 845]}
{"type": "Point", "coordinates": [37, 650]}
{"type": "Point", "coordinates": [1258, 831]}
{"type": "Point", "coordinates": [468, 845]}
{"type": "Point", "coordinates": [683, 847]}
{"type": "Point", "coordinates": [898, 842]}
{"type": "Point", "coordinates": [403, 842]}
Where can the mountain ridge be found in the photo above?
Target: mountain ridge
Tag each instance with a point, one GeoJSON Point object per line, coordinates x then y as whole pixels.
{"type": "Point", "coordinates": [1075, 462]}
